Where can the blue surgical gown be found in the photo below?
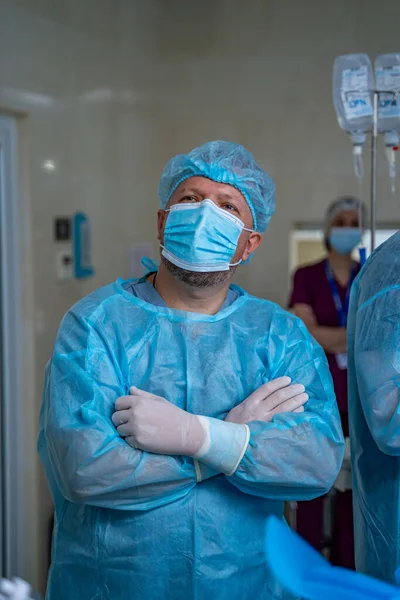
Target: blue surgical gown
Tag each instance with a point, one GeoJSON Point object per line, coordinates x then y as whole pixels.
{"type": "Point", "coordinates": [131, 524]}
{"type": "Point", "coordinates": [374, 411]}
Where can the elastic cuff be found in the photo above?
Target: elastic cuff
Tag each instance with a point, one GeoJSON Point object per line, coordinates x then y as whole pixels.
{"type": "Point", "coordinates": [224, 446]}
{"type": "Point", "coordinates": [203, 472]}
{"type": "Point", "coordinates": [198, 471]}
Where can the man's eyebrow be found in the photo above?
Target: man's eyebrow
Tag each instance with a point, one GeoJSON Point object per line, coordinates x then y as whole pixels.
{"type": "Point", "coordinates": [226, 195]}
{"type": "Point", "coordinates": [191, 189]}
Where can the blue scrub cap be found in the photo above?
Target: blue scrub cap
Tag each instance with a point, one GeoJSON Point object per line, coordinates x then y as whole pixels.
{"type": "Point", "coordinates": [223, 162]}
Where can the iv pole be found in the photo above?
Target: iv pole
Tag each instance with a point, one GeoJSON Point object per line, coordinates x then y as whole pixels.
{"type": "Point", "coordinates": [374, 138]}
{"type": "Point", "coordinates": [373, 169]}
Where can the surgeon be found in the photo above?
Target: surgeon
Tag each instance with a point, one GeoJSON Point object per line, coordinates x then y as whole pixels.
{"type": "Point", "coordinates": [179, 412]}
{"type": "Point", "coordinates": [374, 411]}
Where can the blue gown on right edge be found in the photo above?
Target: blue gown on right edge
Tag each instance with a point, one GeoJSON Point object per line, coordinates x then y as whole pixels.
{"type": "Point", "coordinates": [374, 411]}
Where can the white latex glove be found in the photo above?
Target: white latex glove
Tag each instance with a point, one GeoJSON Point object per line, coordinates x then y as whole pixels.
{"type": "Point", "coordinates": [153, 424]}
{"type": "Point", "coordinates": [274, 397]}
{"type": "Point", "coordinates": [17, 589]}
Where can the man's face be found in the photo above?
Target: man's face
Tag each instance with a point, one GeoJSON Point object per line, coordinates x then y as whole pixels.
{"type": "Point", "coordinates": [226, 197]}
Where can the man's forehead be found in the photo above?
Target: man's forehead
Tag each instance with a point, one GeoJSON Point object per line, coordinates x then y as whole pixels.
{"type": "Point", "coordinates": [205, 185]}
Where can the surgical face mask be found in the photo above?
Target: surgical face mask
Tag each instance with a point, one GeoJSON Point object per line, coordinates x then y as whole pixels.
{"type": "Point", "coordinates": [344, 239]}
{"type": "Point", "coordinates": [201, 237]}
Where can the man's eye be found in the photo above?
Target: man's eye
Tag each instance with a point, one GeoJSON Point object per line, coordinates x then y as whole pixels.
{"type": "Point", "coordinates": [189, 199]}
{"type": "Point", "coordinates": [230, 207]}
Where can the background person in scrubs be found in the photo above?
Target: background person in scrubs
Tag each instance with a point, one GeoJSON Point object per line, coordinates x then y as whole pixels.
{"type": "Point", "coordinates": [320, 297]}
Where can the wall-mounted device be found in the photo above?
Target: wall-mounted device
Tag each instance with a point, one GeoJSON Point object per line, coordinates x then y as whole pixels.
{"type": "Point", "coordinates": [73, 254]}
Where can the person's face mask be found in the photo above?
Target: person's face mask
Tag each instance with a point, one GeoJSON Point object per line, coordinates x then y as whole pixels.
{"type": "Point", "coordinates": [344, 239]}
{"type": "Point", "coordinates": [201, 237]}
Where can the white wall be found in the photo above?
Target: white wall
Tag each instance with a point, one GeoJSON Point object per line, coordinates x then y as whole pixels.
{"type": "Point", "coordinates": [110, 89]}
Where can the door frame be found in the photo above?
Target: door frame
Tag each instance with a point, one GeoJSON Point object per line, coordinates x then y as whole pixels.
{"type": "Point", "coordinates": [13, 452]}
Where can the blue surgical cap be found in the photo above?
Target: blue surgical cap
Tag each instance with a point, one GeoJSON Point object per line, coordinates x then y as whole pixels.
{"type": "Point", "coordinates": [223, 162]}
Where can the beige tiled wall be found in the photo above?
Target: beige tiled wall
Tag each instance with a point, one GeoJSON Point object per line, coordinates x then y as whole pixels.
{"type": "Point", "coordinates": [110, 89]}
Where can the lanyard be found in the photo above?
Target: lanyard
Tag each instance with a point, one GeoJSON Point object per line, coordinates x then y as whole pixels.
{"type": "Point", "coordinates": [341, 309]}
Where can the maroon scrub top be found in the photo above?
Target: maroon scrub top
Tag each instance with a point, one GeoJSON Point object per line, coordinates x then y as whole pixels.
{"type": "Point", "coordinates": [311, 286]}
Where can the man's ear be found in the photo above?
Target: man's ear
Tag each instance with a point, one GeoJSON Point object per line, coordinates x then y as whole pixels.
{"type": "Point", "coordinates": [252, 244]}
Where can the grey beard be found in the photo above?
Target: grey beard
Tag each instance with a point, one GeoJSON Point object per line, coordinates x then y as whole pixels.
{"type": "Point", "coordinates": [198, 280]}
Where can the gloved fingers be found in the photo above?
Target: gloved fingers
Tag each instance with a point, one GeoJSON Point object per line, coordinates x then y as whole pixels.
{"type": "Point", "coordinates": [123, 403]}
{"type": "Point", "coordinates": [269, 388]}
{"type": "Point", "coordinates": [275, 385]}
{"type": "Point", "coordinates": [131, 441]}
{"type": "Point", "coordinates": [283, 395]}
{"type": "Point", "coordinates": [134, 391]}
{"type": "Point", "coordinates": [291, 405]}
{"type": "Point", "coordinates": [299, 410]}
{"type": "Point", "coordinates": [124, 430]}
{"type": "Point", "coordinates": [120, 417]}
